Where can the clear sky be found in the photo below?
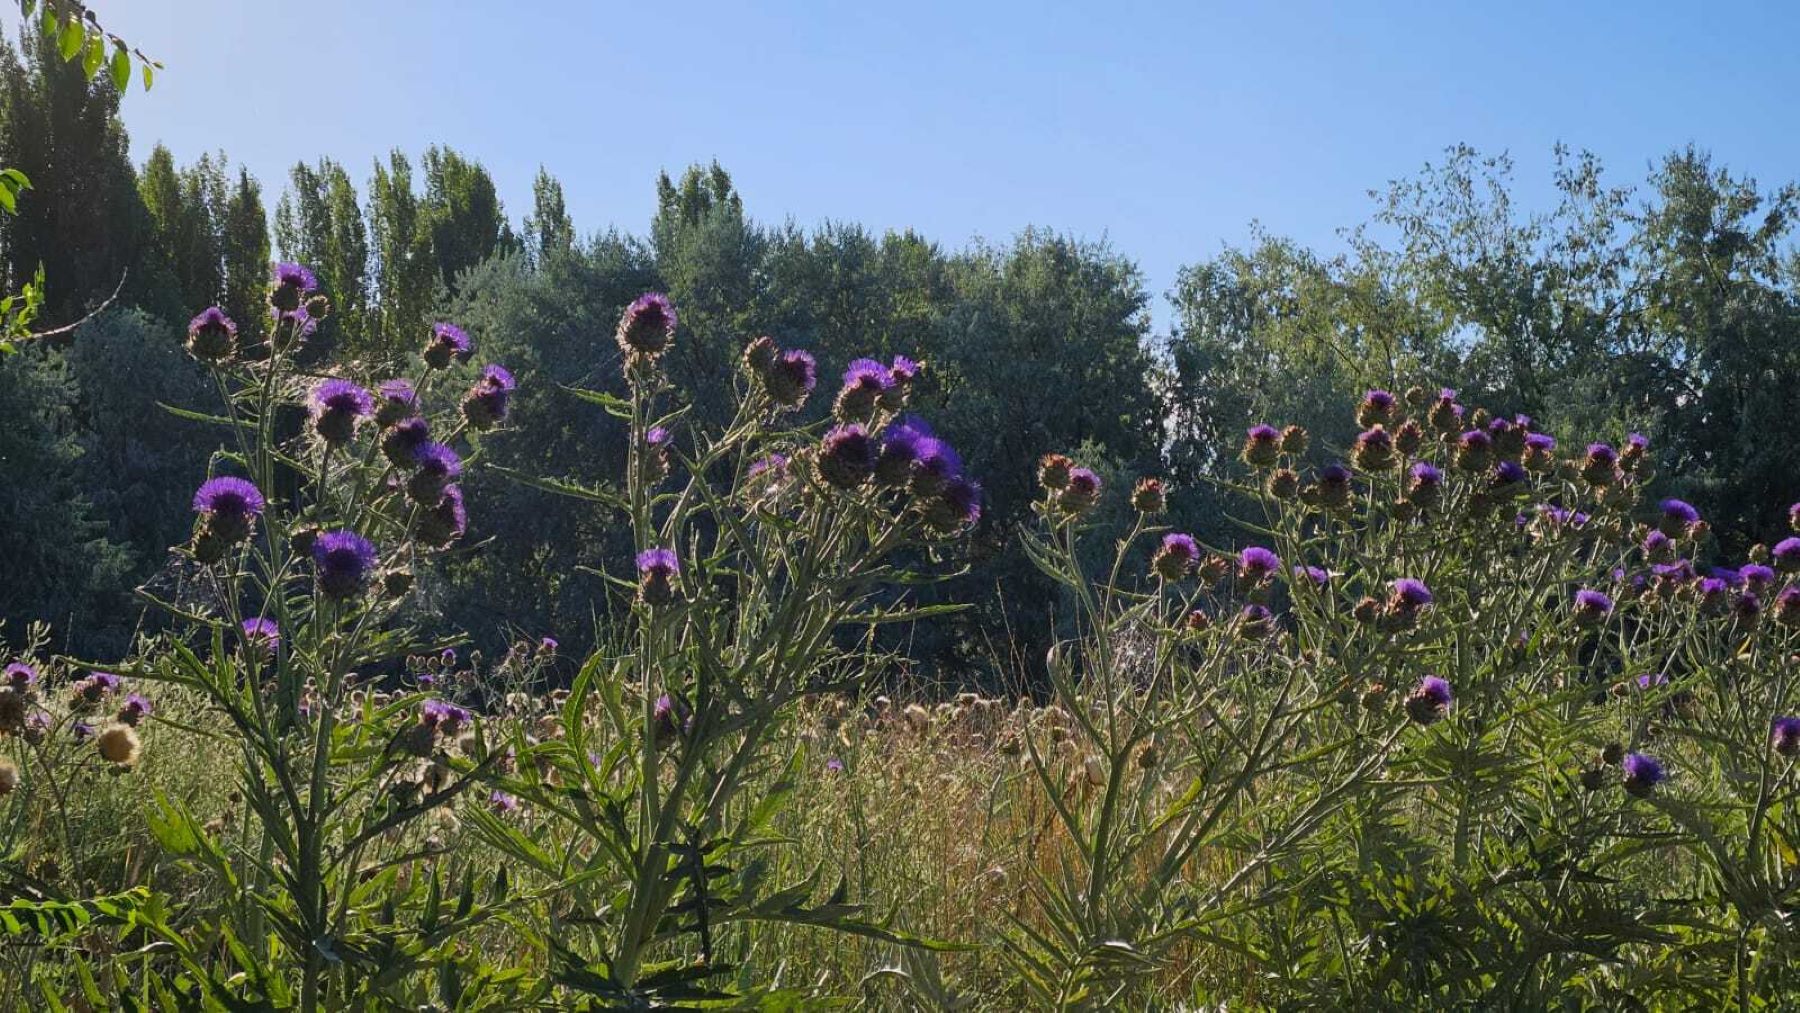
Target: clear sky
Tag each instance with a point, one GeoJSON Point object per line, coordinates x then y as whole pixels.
{"type": "Point", "coordinates": [1164, 127]}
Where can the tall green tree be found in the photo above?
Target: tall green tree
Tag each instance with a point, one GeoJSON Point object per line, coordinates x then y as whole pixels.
{"type": "Point", "coordinates": [406, 276]}
{"type": "Point", "coordinates": [549, 231]}
{"type": "Point", "coordinates": [461, 213]}
{"type": "Point", "coordinates": [244, 242]}
{"type": "Point", "coordinates": [319, 222]}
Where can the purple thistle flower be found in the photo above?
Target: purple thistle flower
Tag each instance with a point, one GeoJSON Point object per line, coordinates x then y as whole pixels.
{"type": "Point", "coordinates": [1509, 473]}
{"type": "Point", "coordinates": [658, 562]}
{"type": "Point", "coordinates": [903, 371]}
{"type": "Point", "coordinates": [1643, 773]}
{"type": "Point", "coordinates": [19, 676]}
{"type": "Point", "coordinates": [772, 468]}
{"type": "Point", "coordinates": [657, 569]}
{"type": "Point", "coordinates": [847, 456]}
{"type": "Point", "coordinates": [1680, 511]}
{"type": "Point", "coordinates": [343, 561]}
{"type": "Point", "coordinates": [447, 342]}
{"type": "Point", "coordinates": [1756, 576]}
{"type": "Point", "coordinates": [1176, 556]}
{"type": "Point", "coordinates": [502, 803]}
{"type": "Point", "coordinates": [1638, 442]}
{"type": "Point", "coordinates": [81, 731]}
{"type": "Point", "coordinates": [1262, 445]}
{"type": "Point", "coordinates": [1592, 606]}
{"type": "Point", "coordinates": [647, 326]}
{"type": "Point", "coordinates": [436, 467]}
{"type": "Point", "coordinates": [445, 522]}
{"type": "Point", "coordinates": [960, 502]}
{"type": "Point", "coordinates": [1410, 594]}
{"type": "Point", "coordinates": [296, 276]}
{"type": "Point", "coordinates": [934, 463]}
{"type": "Point", "coordinates": [1787, 554]}
{"type": "Point", "coordinates": [1542, 443]}
{"type": "Point", "coordinates": [1435, 689]}
{"type": "Point", "coordinates": [229, 498]}
{"type": "Point", "coordinates": [867, 373]}
{"type": "Point", "coordinates": [899, 449]}
{"type": "Point", "coordinates": [342, 397]}
{"type": "Point", "coordinates": [1652, 679]}
{"type": "Point", "coordinates": [865, 384]}
{"type": "Point", "coordinates": [136, 708]}
{"type": "Point", "coordinates": [1318, 575]}
{"type": "Point", "coordinates": [212, 336]}
{"type": "Point", "coordinates": [337, 406]}
{"type": "Point", "coordinates": [657, 437]}
{"type": "Point", "coordinates": [1425, 474]}
{"type": "Point", "coordinates": [1747, 607]}
{"type": "Point", "coordinates": [486, 403]}
{"type": "Point", "coordinates": [444, 716]}
{"type": "Point", "coordinates": [835, 765]}
{"type": "Point", "coordinates": [1257, 564]}
{"type": "Point", "coordinates": [403, 439]}
{"type": "Point", "coordinates": [395, 400]}
{"type": "Point", "coordinates": [791, 376]}
{"type": "Point", "coordinates": [1784, 735]}
{"type": "Point", "coordinates": [548, 645]}
{"type": "Point", "coordinates": [263, 633]}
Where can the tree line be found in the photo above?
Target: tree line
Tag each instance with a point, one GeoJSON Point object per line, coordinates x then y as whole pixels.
{"type": "Point", "coordinates": [1666, 306]}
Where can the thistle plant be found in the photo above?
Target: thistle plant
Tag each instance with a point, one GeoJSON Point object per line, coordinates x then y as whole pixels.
{"type": "Point", "coordinates": [767, 555]}
{"type": "Point", "coordinates": [324, 505]}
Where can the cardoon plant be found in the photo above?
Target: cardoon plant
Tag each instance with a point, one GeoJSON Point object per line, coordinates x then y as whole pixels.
{"type": "Point", "coordinates": [307, 554]}
{"type": "Point", "coordinates": [759, 568]}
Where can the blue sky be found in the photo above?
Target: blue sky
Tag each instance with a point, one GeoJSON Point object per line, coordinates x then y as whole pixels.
{"type": "Point", "coordinates": [1163, 127]}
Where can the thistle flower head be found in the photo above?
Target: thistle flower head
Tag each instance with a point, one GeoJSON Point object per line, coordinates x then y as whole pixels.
{"type": "Point", "coordinates": [1429, 701]}
{"type": "Point", "coordinates": [1784, 736]}
{"type": "Point", "coordinates": [1081, 491]}
{"type": "Point", "coordinates": [448, 343]}
{"type": "Point", "coordinates": [18, 676]}
{"type": "Point", "coordinates": [847, 456]}
{"type": "Point", "coordinates": [791, 376]}
{"type": "Point", "coordinates": [647, 326]}
{"type": "Point", "coordinates": [1643, 773]}
{"type": "Point", "coordinates": [485, 405]}
{"type": "Point", "coordinates": [1410, 595]}
{"type": "Point", "coordinates": [865, 382]}
{"type": "Point", "coordinates": [337, 407]}
{"type": "Point", "coordinates": [1787, 554]}
{"type": "Point", "coordinates": [1262, 445]}
{"type": "Point", "coordinates": [1378, 407]}
{"type": "Point", "coordinates": [212, 336]}
{"type": "Point", "coordinates": [1756, 576]}
{"type": "Point", "coordinates": [343, 561]}
{"type": "Point", "coordinates": [1176, 556]}
{"type": "Point", "coordinates": [135, 709]}
{"type": "Point", "coordinates": [1592, 606]}
{"type": "Point", "coordinates": [1257, 564]}
{"type": "Point", "coordinates": [263, 633]}
{"type": "Point", "coordinates": [403, 439]}
{"type": "Point", "coordinates": [118, 745]}
{"type": "Point", "coordinates": [229, 497]}
{"type": "Point", "coordinates": [657, 569]}
{"type": "Point", "coordinates": [447, 521]}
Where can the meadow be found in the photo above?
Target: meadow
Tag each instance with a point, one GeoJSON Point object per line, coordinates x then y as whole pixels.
{"type": "Point", "coordinates": [1469, 721]}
